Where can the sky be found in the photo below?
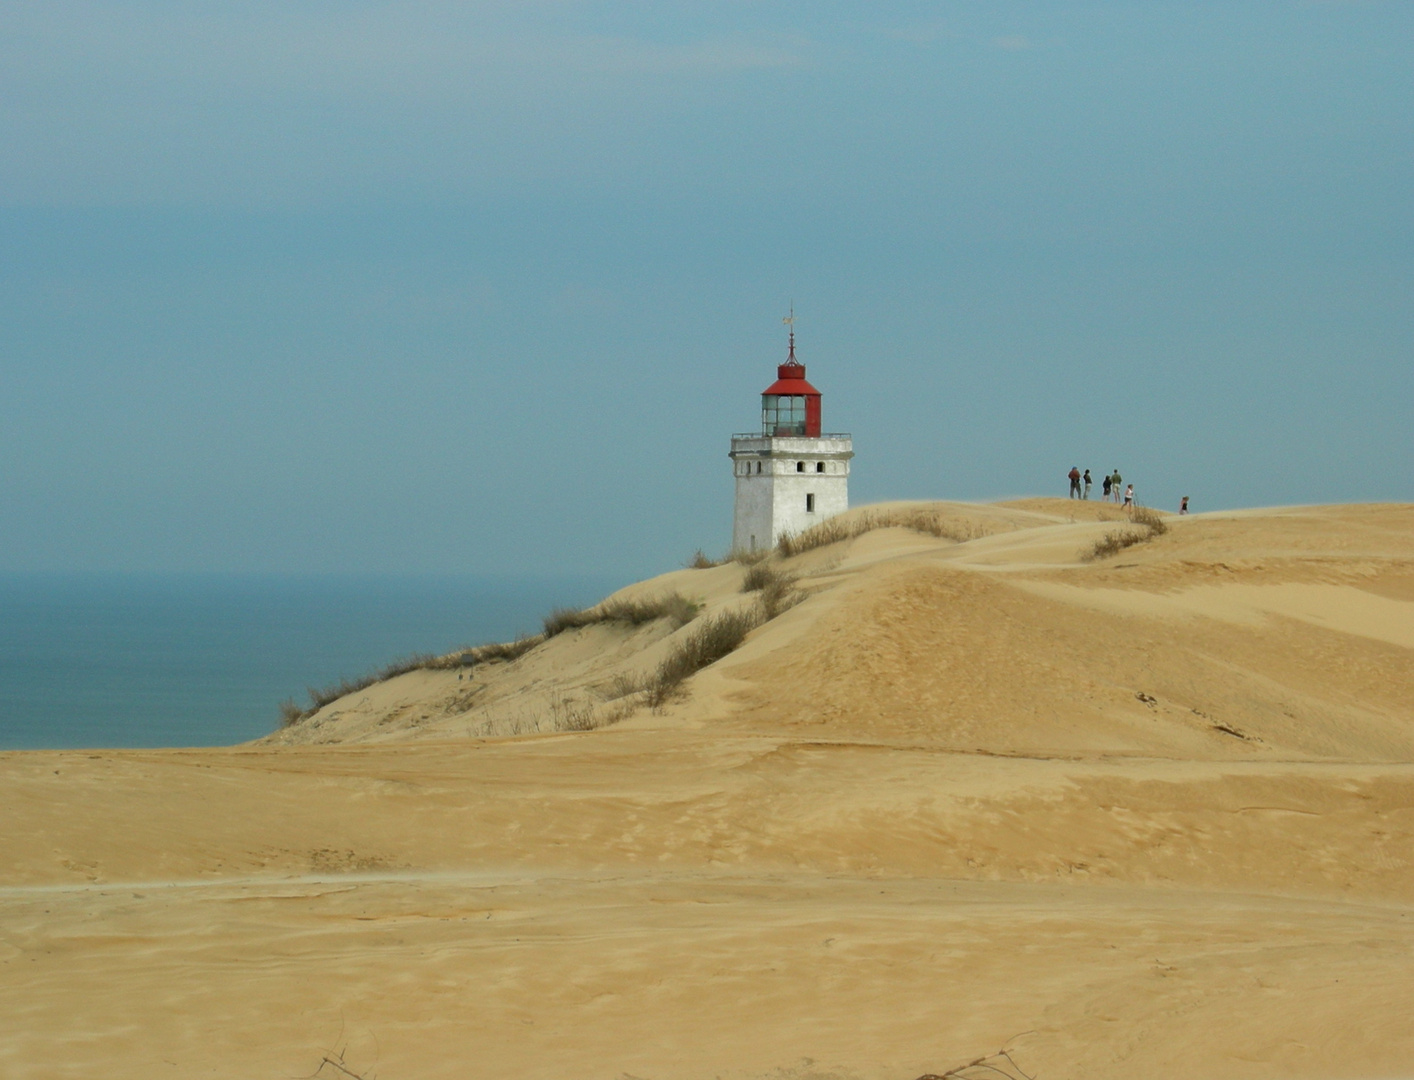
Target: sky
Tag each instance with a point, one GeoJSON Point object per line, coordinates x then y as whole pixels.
{"type": "Point", "coordinates": [307, 287]}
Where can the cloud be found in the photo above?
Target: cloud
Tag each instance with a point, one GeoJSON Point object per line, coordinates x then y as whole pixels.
{"type": "Point", "coordinates": [264, 102]}
{"type": "Point", "coordinates": [704, 57]}
{"type": "Point", "coordinates": [919, 33]}
{"type": "Point", "coordinates": [265, 51]}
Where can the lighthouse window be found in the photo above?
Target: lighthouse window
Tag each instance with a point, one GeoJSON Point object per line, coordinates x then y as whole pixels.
{"type": "Point", "coordinates": [782, 414]}
{"type": "Point", "coordinates": [758, 466]}
{"type": "Point", "coordinates": [819, 466]}
{"type": "Point", "coordinates": [810, 504]}
{"type": "Point", "coordinates": [800, 466]}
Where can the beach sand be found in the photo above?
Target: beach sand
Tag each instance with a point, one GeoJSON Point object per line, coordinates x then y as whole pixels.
{"type": "Point", "coordinates": [1146, 816]}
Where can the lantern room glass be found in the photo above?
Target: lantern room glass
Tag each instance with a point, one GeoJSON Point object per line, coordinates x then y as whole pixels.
{"type": "Point", "coordinates": [782, 414]}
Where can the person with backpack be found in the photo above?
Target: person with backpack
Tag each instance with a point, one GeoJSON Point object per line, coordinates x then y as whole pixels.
{"type": "Point", "coordinates": [1105, 490]}
{"type": "Point", "coordinates": [1074, 482]}
{"type": "Point", "coordinates": [1086, 478]}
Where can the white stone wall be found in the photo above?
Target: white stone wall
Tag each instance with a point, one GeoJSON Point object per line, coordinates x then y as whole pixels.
{"type": "Point", "coordinates": [774, 500]}
{"type": "Point", "coordinates": [751, 524]}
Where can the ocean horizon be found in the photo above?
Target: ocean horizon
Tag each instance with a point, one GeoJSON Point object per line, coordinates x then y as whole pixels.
{"type": "Point", "coordinates": [151, 660]}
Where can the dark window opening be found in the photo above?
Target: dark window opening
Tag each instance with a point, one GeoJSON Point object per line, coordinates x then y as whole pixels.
{"type": "Point", "coordinates": [819, 466]}
{"type": "Point", "coordinates": [758, 466]}
{"type": "Point", "coordinates": [810, 504]}
{"type": "Point", "coordinates": [800, 466]}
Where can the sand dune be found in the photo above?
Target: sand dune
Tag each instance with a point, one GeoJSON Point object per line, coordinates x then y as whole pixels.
{"type": "Point", "coordinates": [1146, 816]}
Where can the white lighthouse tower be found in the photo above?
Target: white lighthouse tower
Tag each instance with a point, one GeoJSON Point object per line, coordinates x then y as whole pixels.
{"type": "Point", "coordinates": [790, 476]}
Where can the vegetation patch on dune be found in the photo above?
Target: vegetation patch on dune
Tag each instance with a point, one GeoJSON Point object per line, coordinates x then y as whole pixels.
{"type": "Point", "coordinates": [832, 531]}
{"type": "Point", "coordinates": [292, 713]}
{"type": "Point", "coordinates": [722, 633]}
{"type": "Point", "coordinates": [714, 639]}
{"type": "Point", "coordinates": [319, 696]}
{"type": "Point", "coordinates": [672, 606]}
{"type": "Point", "coordinates": [496, 650]}
{"type": "Point", "coordinates": [1149, 524]}
{"type": "Point", "coordinates": [777, 588]}
{"type": "Point", "coordinates": [633, 612]}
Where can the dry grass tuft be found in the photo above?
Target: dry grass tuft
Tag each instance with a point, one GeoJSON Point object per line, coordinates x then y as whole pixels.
{"type": "Point", "coordinates": [586, 716]}
{"type": "Point", "coordinates": [566, 715]}
{"type": "Point", "coordinates": [634, 612]}
{"type": "Point", "coordinates": [1149, 524]}
{"type": "Point", "coordinates": [1112, 543]}
{"type": "Point", "coordinates": [702, 561]}
{"type": "Point", "coordinates": [777, 588]}
{"type": "Point", "coordinates": [623, 685]}
{"type": "Point", "coordinates": [778, 595]}
{"type": "Point", "coordinates": [827, 532]}
{"type": "Point", "coordinates": [1150, 519]}
{"type": "Point", "coordinates": [672, 606]}
{"type": "Point", "coordinates": [503, 650]}
{"type": "Point", "coordinates": [835, 529]}
{"type": "Point", "coordinates": [714, 639]}
{"type": "Point", "coordinates": [319, 696]}
{"type": "Point", "coordinates": [761, 574]}
{"type": "Point", "coordinates": [467, 656]}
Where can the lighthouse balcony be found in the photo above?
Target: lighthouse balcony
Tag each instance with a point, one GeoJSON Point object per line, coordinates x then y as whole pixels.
{"type": "Point", "coordinates": [788, 442]}
{"type": "Point", "coordinates": [834, 445]}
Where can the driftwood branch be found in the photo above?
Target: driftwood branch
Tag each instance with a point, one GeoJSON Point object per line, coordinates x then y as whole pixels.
{"type": "Point", "coordinates": [999, 1063]}
{"type": "Point", "coordinates": [327, 1060]}
{"type": "Point", "coordinates": [338, 1063]}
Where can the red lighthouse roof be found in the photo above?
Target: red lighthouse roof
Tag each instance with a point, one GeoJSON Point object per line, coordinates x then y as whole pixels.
{"type": "Point", "coordinates": [790, 376]}
{"type": "Point", "coordinates": [790, 406]}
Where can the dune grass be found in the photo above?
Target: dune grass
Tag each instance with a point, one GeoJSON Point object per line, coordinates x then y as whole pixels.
{"type": "Point", "coordinates": [672, 606]}
{"type": "Point", "coordinates": [714, 639]}
{"type": "Point", "coordinates": [634, 612]}
{"type": "Point", "coordinates": [722, 633]}
{"type": "Point", "coordinates": [497, 650]}
{"type": "Point", "coordinates": [291, 712]}
{"type": "Point", "coordinates": [835, 529]}
{"type": "Point", "coordinates": [758, 576]}
{"type": "Point", "coordinates": [777, 588]}
{"type": "Point", "coordinates": [319, 696]}
{"type": "Point", "coordinates": [1150, 523]}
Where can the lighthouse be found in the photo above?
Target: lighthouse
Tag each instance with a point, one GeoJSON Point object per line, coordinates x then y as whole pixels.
{"type": "Point", "coordinates": [789, 476]}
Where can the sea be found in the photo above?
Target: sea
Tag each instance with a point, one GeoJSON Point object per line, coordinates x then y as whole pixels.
{"type": "Point", "coordinates": [94, 660]}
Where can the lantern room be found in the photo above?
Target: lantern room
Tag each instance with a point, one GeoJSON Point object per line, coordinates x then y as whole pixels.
{"type": "Point", "coordinates": [790, 406]}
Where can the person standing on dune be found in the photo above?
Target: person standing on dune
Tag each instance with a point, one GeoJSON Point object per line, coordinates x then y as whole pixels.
{"type": "Point", "coordinates": [1129, 498]}
{"type": "Point", "coordinates": [1086, 478]}
{"type": "Point", "coordinates": [1105, 490]}
{"type": "Point", "coordinates": [1074, 481]}
{"type": "Point", "coordinates": [1116, 481]}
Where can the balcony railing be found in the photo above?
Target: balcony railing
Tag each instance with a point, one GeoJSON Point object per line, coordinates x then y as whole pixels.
{"type": "Point", "coordinates": [822, 435]}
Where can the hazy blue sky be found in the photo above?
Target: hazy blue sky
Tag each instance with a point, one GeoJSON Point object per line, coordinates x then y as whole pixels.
{"type": "Point", "coordinates": [429, 286]}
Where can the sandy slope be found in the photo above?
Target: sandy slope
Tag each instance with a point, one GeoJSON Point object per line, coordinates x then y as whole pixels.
{"type": "Point", "coordinates": [1146, 817]}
